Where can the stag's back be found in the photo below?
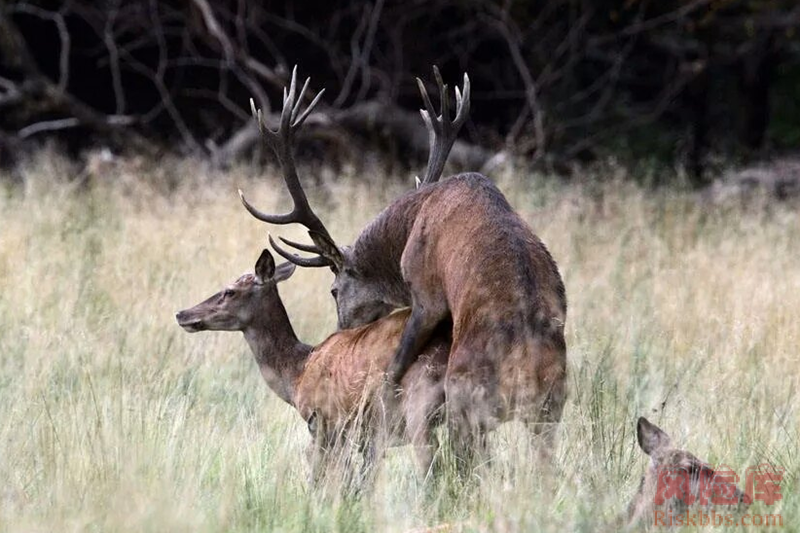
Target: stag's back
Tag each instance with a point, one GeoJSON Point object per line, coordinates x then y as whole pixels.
{"type": "Point", "coordinates": [462, 234]}
{"type": "Point", "coordinates": [503, 289]}
{"type": "Point", "coordinates": [487, 253]}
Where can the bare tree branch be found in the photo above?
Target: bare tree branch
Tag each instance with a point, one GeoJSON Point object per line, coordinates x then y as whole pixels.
{"type": "Point", "coordinates": [53, 95]}
{"type": "Point", "coordinates": [214, 28]}
{"type": "Point", "coordinates": [511, 36]}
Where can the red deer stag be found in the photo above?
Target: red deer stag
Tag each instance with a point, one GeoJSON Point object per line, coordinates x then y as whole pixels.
{"type": "Point", "coordinates": [327, 383]}
{"type": "Point", "coordinates": [451, 249]}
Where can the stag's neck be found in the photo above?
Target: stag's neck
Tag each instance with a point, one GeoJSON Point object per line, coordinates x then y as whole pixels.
{"type": "Point", "coordinates": [379, 247]}
{"type": "Point", "coordinates": [279, 353]}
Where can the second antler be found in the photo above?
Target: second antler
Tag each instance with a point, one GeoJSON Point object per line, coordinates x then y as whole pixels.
{"type": "Point", "coordinates": [442, 131]}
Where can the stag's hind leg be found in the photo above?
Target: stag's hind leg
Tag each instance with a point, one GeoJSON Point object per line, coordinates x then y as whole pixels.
{"type": "Point", "coordinates": [424, 410]}
{"type": "Point", "coordinates": [473, 406]}
{"type": "Point", "coordinates": [544, 410]}
{"type": "Point", "coordinates": [468, 448]}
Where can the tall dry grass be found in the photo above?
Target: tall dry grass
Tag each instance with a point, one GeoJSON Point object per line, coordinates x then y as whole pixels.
{"type": "Point", "coordinates": [114, 419]}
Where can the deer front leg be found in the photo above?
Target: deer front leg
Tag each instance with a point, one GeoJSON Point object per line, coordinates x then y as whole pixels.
{"type": "Point", "coordinates": [367, 470]}
{"type": "Point", "coordinates": [319, 451]}
{"type": "Point", "coordinates": [423, 406]}
{"type": "Point", "coordinates": [318, 457]}
{"type": "Point", "coordinates": [426, 446]}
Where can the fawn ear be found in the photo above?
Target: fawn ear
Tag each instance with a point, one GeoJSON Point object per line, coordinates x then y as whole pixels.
{"type": "Point", "coordinates": [284, 271]}
{"type": "Point", "coordinates": [650, 436]}
{"type": "Point", "coordinates": [265, 266]}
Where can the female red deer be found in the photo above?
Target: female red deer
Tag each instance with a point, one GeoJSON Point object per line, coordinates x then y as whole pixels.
{"type": "Point", "coordinates": [451, 249]}
{"type": "Point", "coordinates": [697, 485]}
{"type": "Point", "coordinates": [327, 383]}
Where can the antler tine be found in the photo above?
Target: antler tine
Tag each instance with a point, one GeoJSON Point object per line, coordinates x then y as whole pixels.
{"type": "Point", "coordinates": [462, 103]}
{"type": "Point", "coordinates": [318, 261]}
{"type": "Point", "coordinates": [286, 218]}
{"type": "Point", "coordinates": [443, 97]}
{"type": "Point", "coordinates": [311, 106]}
{"type": "Point", "coordinates": [442, 130]}
{"type": "Point", "coordinates": [299, 100]}
{"type": "Point", "coordinates": [280, 140]}
{"type": "Point", "coordinates": [288, 105]}
{"type": "Point", "coordinates": [310, 248]}
{"type": "Point", "coordinates": [429, 111]}
{"type": "Point", "coordinates": [257, 116]}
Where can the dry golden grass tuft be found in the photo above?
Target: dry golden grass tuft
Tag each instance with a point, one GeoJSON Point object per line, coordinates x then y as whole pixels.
{"type": "Point", "coordinates": [114, 419]}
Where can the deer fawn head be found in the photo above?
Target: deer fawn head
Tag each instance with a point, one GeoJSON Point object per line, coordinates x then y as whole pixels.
{"type": "Point", "coordinates": [359, 299]}
{"type": "Point", "coordinates": [234, 308]}
{"type": "Point", "coordinates": [677, 480]}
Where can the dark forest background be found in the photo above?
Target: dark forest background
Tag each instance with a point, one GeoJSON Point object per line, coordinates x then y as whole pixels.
{"type": "Point", "coordinates": [557, 82]}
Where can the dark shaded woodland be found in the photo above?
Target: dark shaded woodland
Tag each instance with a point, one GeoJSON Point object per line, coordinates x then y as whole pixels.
{"type": "Point", "coordinates": [554, 81]}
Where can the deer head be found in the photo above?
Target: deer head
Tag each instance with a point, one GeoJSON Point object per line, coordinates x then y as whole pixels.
{"type": "Point", "coordinates": [360, 298]}
{"type": "Point", "coordinates": [253, 296]}
{"type": "Point", "coordinates": [677, 480]}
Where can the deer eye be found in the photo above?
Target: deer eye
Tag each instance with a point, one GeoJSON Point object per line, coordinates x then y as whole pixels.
{"type": "Point", "coordinates": [228, 293]}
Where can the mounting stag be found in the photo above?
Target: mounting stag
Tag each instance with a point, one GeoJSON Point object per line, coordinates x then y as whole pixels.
{"type": "Point", "coordinates": [452, 250]}
{"type": "Point", "coordinates": [327, 383]}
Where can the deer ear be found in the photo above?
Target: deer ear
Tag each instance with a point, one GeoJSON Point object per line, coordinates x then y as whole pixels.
{"type": "Point", "coordinates": [650, 436]}
{"type": "Point", "coordinates": [265, 266]}
{"type": "Point", "coordinates": [284, 271]}
{"type": "Point", "coordinates": [328, 249]}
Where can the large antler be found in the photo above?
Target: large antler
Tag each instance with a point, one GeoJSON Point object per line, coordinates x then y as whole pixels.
{"type": "Point", "coordinates": [281, 142]}
{"type": "Point", "coordinates": [442, 131]}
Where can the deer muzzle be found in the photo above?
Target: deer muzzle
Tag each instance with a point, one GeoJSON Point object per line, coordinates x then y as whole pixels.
{"type": "Point", "coordinates": [189, 321]}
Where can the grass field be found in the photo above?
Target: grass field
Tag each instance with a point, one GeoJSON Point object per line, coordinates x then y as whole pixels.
{"type": "Point", "coordinates": [112, 418]}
